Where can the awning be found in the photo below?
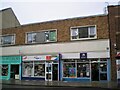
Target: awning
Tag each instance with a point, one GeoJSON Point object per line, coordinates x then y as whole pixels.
{"type": "Point", "coordinates": [118, 56]}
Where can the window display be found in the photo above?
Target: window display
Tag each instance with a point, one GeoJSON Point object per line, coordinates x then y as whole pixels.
{"type": "Point", "coordinates": [4, 70]}
{"type": "Point", "coordinates": [27, 69]}
{"type": "Point", "coordinates": [39, 70]}
{"type": "Point", "coordinates": [69, 70]}
{"type": "Point", "coordinates": [83, 70]}
{"type": "Point", "coordinates": [103, 67]}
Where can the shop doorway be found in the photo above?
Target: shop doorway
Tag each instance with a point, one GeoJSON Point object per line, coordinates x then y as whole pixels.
{"type": "Point", "coordinates": [55, 71]}
{"type": "Point", "coordinates": [51, 71]}
{"type": "Point", "coordinates": [14, 74]}
{"type": "Point", "coordinates": [94, 72]}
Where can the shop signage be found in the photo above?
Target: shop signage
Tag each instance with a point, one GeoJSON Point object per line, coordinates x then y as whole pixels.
{"type": "Point", "coordinates": [32, 58]}
{"type": "Point", "coordinates": [10, 59]}
{"type": "Point", "coordinates": [83, 56]}
{"type": "Point", "coordinates": [42, 57]}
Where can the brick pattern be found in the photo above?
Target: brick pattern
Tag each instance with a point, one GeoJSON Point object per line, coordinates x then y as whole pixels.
{"type": "Point", "coordinates": [114, 27]}
{"type": "Point", "coordinates": [62, 26]}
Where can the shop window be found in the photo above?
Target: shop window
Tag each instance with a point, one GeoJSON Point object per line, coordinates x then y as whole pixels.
{"type": "Point", "coordinates": [41, 37]}
{"type": "Point", "coordinates": [27, 69]}
{"type": "Point", "coordinates": [103, 67]}
{"type": "Point", "coordinates": [39, 70]}
{"type": "Point", "coordinates": [83, 70]}
{"type": "Point", "coordinates": [4, 70]}
{"type": "Point", "coordinates": [7, 40]}
{"type": "Point", "coordinates": [69, 70]}
{"type": "Point", "coordinates": [103, 76]}
{"type": "Point", "coordinates": [79, 33]}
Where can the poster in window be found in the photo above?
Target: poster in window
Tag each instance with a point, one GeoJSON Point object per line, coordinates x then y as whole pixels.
{"type": "Point", "coordinates": [72, 72]}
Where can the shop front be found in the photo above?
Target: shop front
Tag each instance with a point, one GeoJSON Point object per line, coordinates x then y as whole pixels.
{"type": "Point", "coordinates": [118, 67]}
{"type": "Point", "coordinates": [40, 67]}
{"type": "Point", "coordinates": [10, 67]}
{"type": "Point", "coordinates": [87, 68]}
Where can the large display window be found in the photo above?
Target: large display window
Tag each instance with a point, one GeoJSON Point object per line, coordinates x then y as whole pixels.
{"type": "Point", "coordinates": [39, 69]}
{"type": "Point", "coordinates": [83, 70]}
{"type": "Point", "coordinates": [4, 70]}
{"type": "Point", "coordinates": [27, 68]}
{"type": "Point", "coordinates": [75, 68]}
{"type": "Point", "coordinates": [69, 70]}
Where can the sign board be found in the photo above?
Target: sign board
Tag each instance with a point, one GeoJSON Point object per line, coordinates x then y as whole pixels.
{"type": "Point", "coordinates": [10, 59]}
{"type": "Point", "coordinates": [39, 58]}
{"type": "Point", "coordinates": [83, 56]}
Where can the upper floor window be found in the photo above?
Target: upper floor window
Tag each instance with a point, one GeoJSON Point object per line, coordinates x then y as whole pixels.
{"type": "Point", "coordinates": [79, 33]}
{"type": "Point", "coordinates": [42, 37]}
{"type": "Point", "coordinates": [7, 40]}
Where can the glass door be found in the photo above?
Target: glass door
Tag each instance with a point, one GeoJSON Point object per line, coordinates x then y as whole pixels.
{"type": "Point", "coordinates": [48, 71]}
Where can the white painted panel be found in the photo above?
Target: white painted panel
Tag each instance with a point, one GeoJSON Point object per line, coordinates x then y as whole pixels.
{"type": "Point", "coordinates": [89, 55]}
{"type": "Point", "coordinates": [71, 47]}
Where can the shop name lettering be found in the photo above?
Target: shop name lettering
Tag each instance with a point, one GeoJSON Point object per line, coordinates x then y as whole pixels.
{"type": "Point", "coordinates": [7, 58]}
{"type": "Point", "coordinates": [38, 57]}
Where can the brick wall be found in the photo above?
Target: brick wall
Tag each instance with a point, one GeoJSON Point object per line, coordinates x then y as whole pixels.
{"type": "Point", "coordinates": [62, 26]}
{"type": "Point", "coordinates": [114, 27]}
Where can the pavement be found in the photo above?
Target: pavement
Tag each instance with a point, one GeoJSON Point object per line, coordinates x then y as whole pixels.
{"type": "Point", "coordinates": [111, 85]}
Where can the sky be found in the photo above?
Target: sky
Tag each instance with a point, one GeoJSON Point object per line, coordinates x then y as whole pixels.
{"type": "Point", "coordinates": [34, 11]}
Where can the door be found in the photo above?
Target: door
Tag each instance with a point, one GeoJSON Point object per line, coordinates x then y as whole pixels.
{"type": "Point", "coordinates": [55, 72]}
{"type": "Point", "coordinates": [48, 71]}
{"type": "Point", "coordinates": [14, 71]}
{"type": "Point", "coordinates": [95, 72]}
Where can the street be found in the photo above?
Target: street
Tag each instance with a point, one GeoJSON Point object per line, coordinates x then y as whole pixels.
{"type": "Point", "coordinates": [28, 87]}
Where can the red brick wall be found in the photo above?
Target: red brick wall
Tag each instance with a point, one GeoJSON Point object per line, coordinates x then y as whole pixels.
{"type": "Point", "coordinates": [62, 26]}
{"type": "Point", "coordinates": [114, 26]}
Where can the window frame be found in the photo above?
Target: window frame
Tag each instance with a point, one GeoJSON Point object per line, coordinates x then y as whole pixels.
{"type": "Point", "coordinates": [71, 28]}
{"type": "Point", "coordinates": [14, 39]}
{"type": "Point", "coordinates": [26, 34]}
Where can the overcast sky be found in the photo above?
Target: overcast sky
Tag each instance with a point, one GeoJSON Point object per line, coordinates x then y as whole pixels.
{"type": "Point", "coordinates": [33, 11]}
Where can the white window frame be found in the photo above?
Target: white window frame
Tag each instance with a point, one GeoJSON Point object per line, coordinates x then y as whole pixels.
{"type": "Point", "coordinates": [14, 38]}
{"type": "Point", "coordinates": [26, 39]}
{"type": "Point", "coordinates": [88, 32]}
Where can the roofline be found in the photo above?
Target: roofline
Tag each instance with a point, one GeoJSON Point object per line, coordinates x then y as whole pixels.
{"type": "Point", "coordinates": [5, 9]}
{"type": "Point", "coordinates": [99, 15]}
{"type": "Point", "coordinates": [113, 5]}
{"type": "Point", "coordinates": [66, 19]}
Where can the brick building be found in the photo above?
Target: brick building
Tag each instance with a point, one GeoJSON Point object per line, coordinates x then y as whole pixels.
{"type": "Point", "coordinates": [74, 49]}
{"type": "Point", "coordinates": [114, 32]}
{"type": "Point", "coordinates": [71, 39]}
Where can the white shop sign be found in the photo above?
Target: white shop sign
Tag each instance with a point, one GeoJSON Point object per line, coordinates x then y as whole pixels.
{"type": "Point", "coordinates": [31, 58]}
{"type": "Point", "coordinates": [39, 57]}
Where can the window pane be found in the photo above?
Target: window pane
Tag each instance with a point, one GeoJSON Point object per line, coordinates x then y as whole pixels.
{"type": "Point", "coordinates": [103, 76]}
{"type": "Point", "coordinates": [69, 70]}
{"type": "Point", "coordinates": [4, 69]}
{"type": "Point", "coordinates": [27, 69]}
{"type": "Point", "coordinates": [29, 37]}
{"type": "Point", "coordinates": [92, 31]}
{"type": "Point", "coordinates": [52, 36]}
{"type": "Point", "coordinates": [34, 37]}
{"type": "Point", "coordinates": [83, 70]}
{"type": "Point", "coordinates": [74, 33]}
{"type": "Point", "coordinates": [103, 67]}
{"type": "Point", "coordinates": [8, 40]}
{"type": "Point", "coordinates": [39, 70]}
{"type": "Point", "coordinates": [47, 36]}
{"type": "Point", "coordinates": [83, 32]}
{"type": "Point", "coordinates": [40, 37]}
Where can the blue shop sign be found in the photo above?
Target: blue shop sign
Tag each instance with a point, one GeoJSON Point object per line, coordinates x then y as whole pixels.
{"type": "Point", "coordinates": [83, 56]}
